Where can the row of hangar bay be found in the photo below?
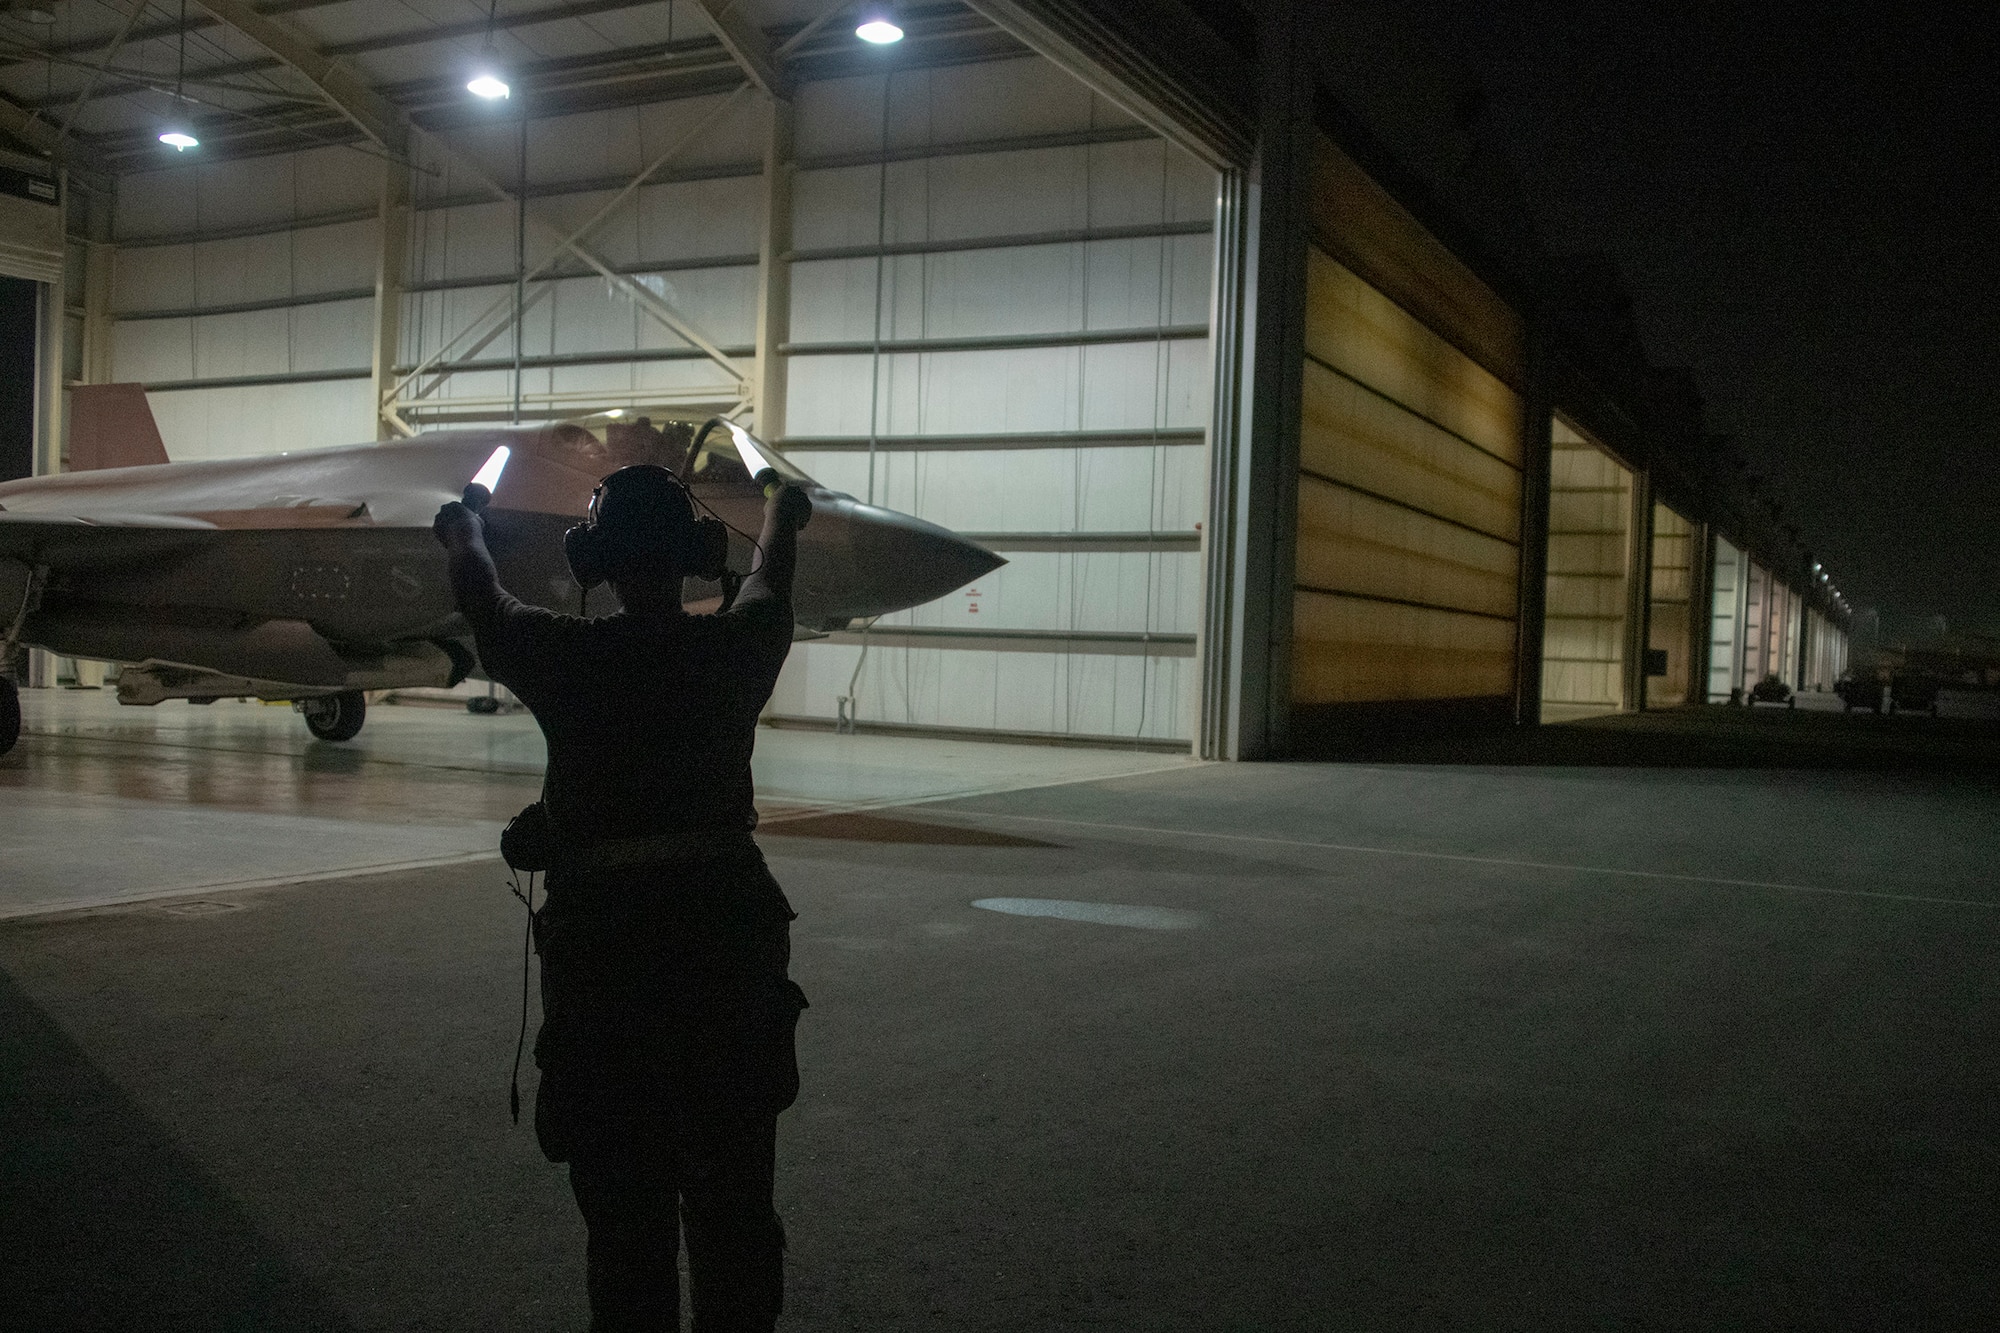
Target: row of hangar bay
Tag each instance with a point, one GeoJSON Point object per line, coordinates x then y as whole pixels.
{"type": "Point", "coordinates": [1003, 300]}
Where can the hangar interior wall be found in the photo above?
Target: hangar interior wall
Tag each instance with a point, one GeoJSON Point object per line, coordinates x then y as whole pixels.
{"type": "Point", "coordinates": [1825, 652]}
{"type": "Point", "coordinates": [1730, 595]}
{"type": "Point", "coordinates": [1667, 616]}
{"type": "Point", "coordinates": [1410, 464]}
{"type": "Point", "coordinates": [1799, 644]}
{"type": "Point", "coordinates": [1584, 638]}
{"type": "Point", "coordinates": [999, 291]}
{"type": "Point", "coordinates": [242, 296]}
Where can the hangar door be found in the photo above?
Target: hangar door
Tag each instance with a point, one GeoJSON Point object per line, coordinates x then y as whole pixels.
{"type": "Point", "coordinates": [1410, 461]}
{"type": "Point", "coordinates": [1591, 567]}
{"type": "Point", "coordinates": [1667, 625]}
{"type": "Point", "coordinates": [1730, 608]}
{"type": "Point", "coordinates": [999, 322]}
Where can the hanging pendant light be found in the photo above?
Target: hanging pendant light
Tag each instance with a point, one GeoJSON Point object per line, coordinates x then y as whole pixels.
{"type": "Point", "coordinates": [178, 136]}
{"type": "Point", "coordinates": [487, 79]}
{"type": "Point", "coordinates": [879, 25]}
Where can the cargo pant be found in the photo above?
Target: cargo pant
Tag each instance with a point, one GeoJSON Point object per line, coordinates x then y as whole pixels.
{"type": "Point", "coordinates": [666, 1054]}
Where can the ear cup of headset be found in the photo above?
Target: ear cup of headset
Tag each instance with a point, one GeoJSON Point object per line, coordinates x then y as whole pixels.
{"type": "Point", "coordinates": [708, 549]}
{"type": "Point", "coordinates": [583, 547]}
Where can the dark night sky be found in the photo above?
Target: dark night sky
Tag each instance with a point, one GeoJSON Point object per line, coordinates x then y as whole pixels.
{"type": "Point", "coordinates": [1803, 200]}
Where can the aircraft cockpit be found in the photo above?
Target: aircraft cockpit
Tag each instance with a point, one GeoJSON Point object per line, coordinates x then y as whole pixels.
{"type": "Point", "coordinates": [711, 452]}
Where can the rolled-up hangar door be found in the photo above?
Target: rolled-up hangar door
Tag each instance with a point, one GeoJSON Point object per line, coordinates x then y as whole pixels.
{"type": "Point", "coordinates": [1410, 471]}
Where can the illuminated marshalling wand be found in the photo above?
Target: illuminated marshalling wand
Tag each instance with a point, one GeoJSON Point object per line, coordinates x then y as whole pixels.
{"type": "Point", "coordinates": [479, 492]}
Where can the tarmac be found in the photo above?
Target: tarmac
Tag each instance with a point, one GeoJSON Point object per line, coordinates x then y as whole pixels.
{"type": "Point", "coordinates": [1507, 1044]}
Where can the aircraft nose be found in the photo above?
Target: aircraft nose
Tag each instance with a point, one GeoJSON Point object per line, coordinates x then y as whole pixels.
{"type": "Point", "coordinates": [939, 560]}
{"type": "Point", "coordinates": [892, 560]}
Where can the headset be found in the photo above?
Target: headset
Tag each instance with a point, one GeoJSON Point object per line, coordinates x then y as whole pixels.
{"type": "Point", "coordinates": [605, 546]}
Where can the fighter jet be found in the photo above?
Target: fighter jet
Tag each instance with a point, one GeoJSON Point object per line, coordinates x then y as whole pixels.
{"type": "Point", "coordinates": [312, 576]}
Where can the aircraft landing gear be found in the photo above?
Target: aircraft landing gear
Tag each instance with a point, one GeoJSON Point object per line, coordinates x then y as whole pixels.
{"type": "Point", "coordinates": [10, 714]}
{"type": "Point", "coordinates": [335, 717]}
{"type": "Point", "coordinates": [483, 704]}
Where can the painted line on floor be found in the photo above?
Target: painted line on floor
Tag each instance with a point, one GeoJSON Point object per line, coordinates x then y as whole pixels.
{"type": "Point", "coordinates": [1507, 862]}
{"type": "Point", "coordinates": [242, 885]}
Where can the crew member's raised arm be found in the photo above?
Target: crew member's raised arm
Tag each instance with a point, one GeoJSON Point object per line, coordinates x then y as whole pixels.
{"type": "Point", "coordinates": [786, 509]}
{"type": "Point", "coordinates": [475, 582]}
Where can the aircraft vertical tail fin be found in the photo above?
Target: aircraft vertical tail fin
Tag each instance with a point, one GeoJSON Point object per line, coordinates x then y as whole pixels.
{"type": "Point", "coordinates": [111, 425]}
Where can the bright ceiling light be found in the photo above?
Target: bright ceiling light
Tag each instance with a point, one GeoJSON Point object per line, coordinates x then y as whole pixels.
{"type": "Point", "coordinates": [179, 140]}
{"type": "Point", "coordinates": [489, 86]}
{"type": "Point", "coordinates": [878, 25]}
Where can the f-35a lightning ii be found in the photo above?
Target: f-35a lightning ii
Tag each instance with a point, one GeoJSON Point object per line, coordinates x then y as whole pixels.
{"type": "Point", "coordinates": [313, 576]}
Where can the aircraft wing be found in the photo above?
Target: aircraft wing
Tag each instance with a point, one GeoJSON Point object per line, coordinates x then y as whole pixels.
{"type": "Point", "coordinates": [61, 542]}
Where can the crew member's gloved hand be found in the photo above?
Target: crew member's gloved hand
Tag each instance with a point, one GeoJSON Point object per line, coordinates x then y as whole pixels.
{"type": "Point", "coordinates": [788, 501]}
{"type": "Point", "coordinates": [456, 526]}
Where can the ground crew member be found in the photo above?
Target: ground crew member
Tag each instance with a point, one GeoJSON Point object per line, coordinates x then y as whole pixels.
{"type": "Point", "coordinates": [666, 1043]}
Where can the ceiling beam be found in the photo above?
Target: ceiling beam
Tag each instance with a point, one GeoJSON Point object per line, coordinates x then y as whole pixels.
{"type": "Point", "coordinates": [84, 168]}
{"type": "Point", "coordinates": [29, 128]}
{"type": "Point", "coordinates": [132, 11]}
{"type": "Point", "coordinates": [747, 45]}
{"type": "Point", "coordinates": [371, 113]}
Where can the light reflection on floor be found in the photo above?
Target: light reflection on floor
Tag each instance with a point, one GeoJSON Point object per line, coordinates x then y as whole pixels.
{"type": "Point", "coordinates": [106, 803]}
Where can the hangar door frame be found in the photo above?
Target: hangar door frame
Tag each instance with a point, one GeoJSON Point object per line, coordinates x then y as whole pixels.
{"type": "Point", "coordinates": [416, 221]}
{"type": "Point", "coordinates": [1226, 655]}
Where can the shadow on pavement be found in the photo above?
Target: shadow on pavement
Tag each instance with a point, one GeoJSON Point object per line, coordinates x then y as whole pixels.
{"type": "Point", "coordinates": [1714, 736]}
{"type": "Point", "coordinates": [105, 1224]}
{"type": "Point", "coordinates": [857, 827]}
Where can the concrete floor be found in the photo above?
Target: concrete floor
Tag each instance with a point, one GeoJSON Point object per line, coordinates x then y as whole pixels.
{"type": "Point", "coordinates": [1506, 1045]}
{"type": "Point", "coordinates": [111, 804]}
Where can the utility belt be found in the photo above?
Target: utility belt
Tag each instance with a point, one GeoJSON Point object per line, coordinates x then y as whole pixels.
{"type": "Point", "coordinates": [530, 844]}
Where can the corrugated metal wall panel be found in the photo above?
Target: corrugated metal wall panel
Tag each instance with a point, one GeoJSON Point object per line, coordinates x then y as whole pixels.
{"type": "Point", "coordinates": [242, 192]}
{"type": "Point", "coordinates": [1101, 489]}
{"type": "Point", "coordinates": [1756, 626]}
{"type": "Point", "coordinates": [1356, 330]}
{"type": "Point", "coordinates": [1590, 536]}
{"type": "Point", "coordinates": [284, 340]}
{"type": "Point", "coordinates": [1040, 389]}
{"type": "Point", "coordinates": [271, 266]}
{"type": "Point", "coordinates": [1408, 566]}
{"type": "Point", "coordinates": [1354, 436]}
{"type": "Point", "coordinates": [1018, 691]}
{"type": "Point", "coordinates": [1725, 644]}
{"type": "Point", "coordinates": [956, 104]}
{"type": "Point", "coordinates": [1667, 617]}
{"type": "Point", "coordinates": [1348, 650]}
{"type": "Point", "coordinates": [1058, 281]}
{"type": "Point", "coordinates": [242, 422]}
{"type": "Point", "coordinates": [1357, 544]}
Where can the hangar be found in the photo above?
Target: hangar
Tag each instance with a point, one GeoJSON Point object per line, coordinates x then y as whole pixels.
{"type": "Point", "coordinates": [1213, 322]}
{"type": "Point", "coordinates": [1284, 427]}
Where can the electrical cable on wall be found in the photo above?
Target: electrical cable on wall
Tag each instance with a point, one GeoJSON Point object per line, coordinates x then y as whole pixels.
{"type": "Point", "coordinates": [1162, 309]}
{"type": "Point", "coordinates": [848, 707]}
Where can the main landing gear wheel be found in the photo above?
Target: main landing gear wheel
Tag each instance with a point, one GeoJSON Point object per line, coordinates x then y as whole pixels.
{"type": "Point", "coordinates": [10, 715]}
{"type": "Point", "coordinates": [483, 704]}
{"type": "Point", "coordinates": [335, 717]}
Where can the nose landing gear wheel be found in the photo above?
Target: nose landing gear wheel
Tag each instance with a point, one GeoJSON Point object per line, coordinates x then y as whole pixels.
{"type": "Point", "coordinates": [10, 715]}
{"type": "Point", "coordinates": [335, 717]}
